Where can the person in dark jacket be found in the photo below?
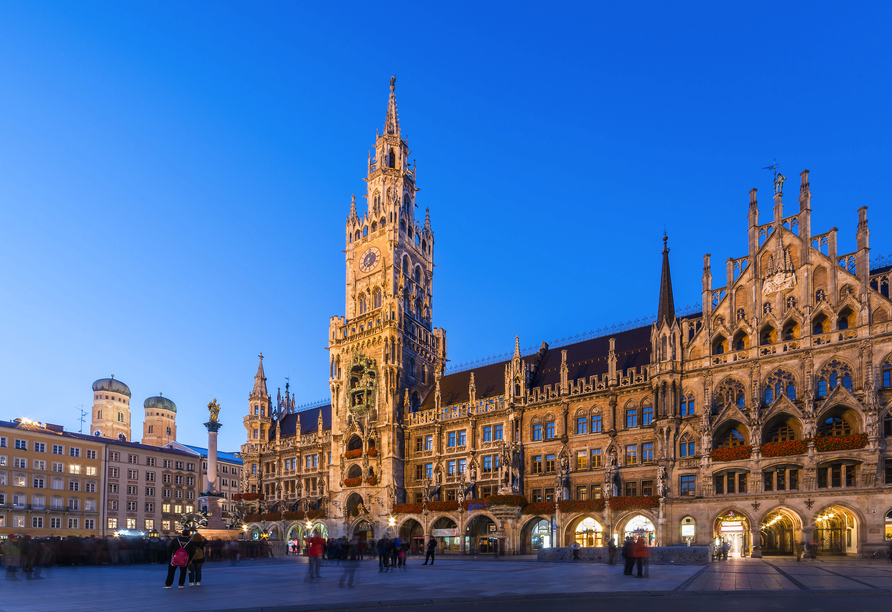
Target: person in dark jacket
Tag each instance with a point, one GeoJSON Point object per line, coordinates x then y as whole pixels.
{"type": "Point", "coordinates": [628, 556]}
{"type": "Point", "coordinates": [175, 545]}
{"type": "Point", "coordinates": [431, 550]}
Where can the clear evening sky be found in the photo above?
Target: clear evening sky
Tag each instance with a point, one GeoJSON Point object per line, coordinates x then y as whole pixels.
{"type": "Point", "coordinates": [175, 176]}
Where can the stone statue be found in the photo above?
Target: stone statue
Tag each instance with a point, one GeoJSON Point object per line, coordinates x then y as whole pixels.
{"type": "Point", "coordinates": [322, 486]}
{"type": "Point", "coordinates": [661, 481]}
{"type": "Point", "coordinates": [779, 183]}
{"type": "Point", "coordinates": [473, 472]}
{"type": "Point", "coordinates": [872, 422]}
{"type": "Point", "coordinates": [438, 474]}
{"type": "Point", "coordinates": [565, 465]}
{"type": "Point", "coordinates": [460, 495]}
{"type": "Point", "coordinates": [297, 488]}
{"type": "Point", "coordinates": [214, 409]}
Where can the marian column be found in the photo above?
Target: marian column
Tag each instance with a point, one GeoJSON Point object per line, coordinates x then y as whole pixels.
{"type": "Point", "coordinates": [212, 495]}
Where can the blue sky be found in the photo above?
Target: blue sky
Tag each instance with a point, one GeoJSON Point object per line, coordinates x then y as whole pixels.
{"type": "Point", "coordinates": [175, 176]}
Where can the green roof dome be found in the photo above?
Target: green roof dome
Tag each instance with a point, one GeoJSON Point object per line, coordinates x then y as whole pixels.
{"type": "Point", "coordinates": [160, 403]}
{"type": "Point", "coordinates": [112, 385]}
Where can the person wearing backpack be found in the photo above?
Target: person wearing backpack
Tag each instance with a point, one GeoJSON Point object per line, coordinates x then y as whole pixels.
{"type": "Point", "coordinates": [197, 559]}
{"type": "Point", "coordinates": [181, 550]}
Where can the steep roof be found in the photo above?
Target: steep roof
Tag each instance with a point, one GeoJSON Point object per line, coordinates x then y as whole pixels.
{"type": "Point", "coordinates": [666, 308]}
{"type": "Point", "coordinates": [309, 421]}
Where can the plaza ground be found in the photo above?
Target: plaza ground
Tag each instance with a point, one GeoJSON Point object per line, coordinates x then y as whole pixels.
{"type": "Point", "coordinates": [278, 585]}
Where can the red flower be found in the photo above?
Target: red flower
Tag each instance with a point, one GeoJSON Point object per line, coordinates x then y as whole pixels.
{"type": "Point", "coordinates": [731, 454]}
{"type": "Point", "coordinates": [578, 505]}
{"type": "Point", "coordinates": [352, 482]}
{"type": "Point", "coordinates": [839, 443]}
{"type": "Point", "coordinates": [443, 506]}
{"type": "Point", "coordinates": [546, 508]}
{"type": "Point", "coordinates": [353, 454]}
{"type": "Point", "coordinates": [476, 502]}
{"type": "Point", "coordinates": [407, 509]}
{"type": "Point", "coordinates": [295, 515]}
{"type": "Point", "coordinates": [784, 449]}
{"type": "Point", "coordinates": [372, 480]}
{"type": "Point", "coordinates": [315, 514]}
{"type": "Point", "coordinates": [631, 502]}
{"type": "Point", "coordinates": [252, 518]}
{"type": "Point", "coordinates": [373, 452]}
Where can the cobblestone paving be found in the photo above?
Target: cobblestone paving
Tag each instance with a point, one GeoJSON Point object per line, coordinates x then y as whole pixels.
{"type": "Point", "coordinates": [281, 582]}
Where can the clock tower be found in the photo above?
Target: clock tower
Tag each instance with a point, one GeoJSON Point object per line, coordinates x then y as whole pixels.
{"type": "Point", "coordinates": [385, 356]}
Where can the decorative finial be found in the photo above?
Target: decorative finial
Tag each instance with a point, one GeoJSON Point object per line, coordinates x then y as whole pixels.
{"type": "Point", "coordinates": [392, 84]}
{"type": "Point", "coordinates": [112, 375]}
{"type": "Point", "coordinates": [665, 241]}
{"type": "Point", "coordinates": [261, 356]}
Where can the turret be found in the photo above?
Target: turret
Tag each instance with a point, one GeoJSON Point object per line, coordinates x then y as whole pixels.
{"type": "Point", "coordinates": [259, 418]}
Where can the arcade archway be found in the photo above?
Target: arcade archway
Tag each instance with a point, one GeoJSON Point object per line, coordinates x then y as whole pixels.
{"type": "Point", "coordinates": [588, 533]}
{"type": "Point", "coordinates": [640, 526]}
{"type": "Point", "coordinates": [536, 534]}
{"type": "Point", "coordinates": [780, 530]}
{"type": "Point", "coordinates": [447, 535]}
{"type": "Point", "coordinates": [732, 528]}
{"type": "Point", "coordinates": [412, 532]}
{"type": "Point", "coordinates": [836, 532]}
{"type": "Point", "coordinates": [480, 535]}
{"type": "Point", "coordinates": [363, 531]}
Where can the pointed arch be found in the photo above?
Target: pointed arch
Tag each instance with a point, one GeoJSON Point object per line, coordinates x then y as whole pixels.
{"type": "Point", "coordinates": [779, 383]}
{"type": "Point", "coordinates": [833, 373]}
{"type": "Point", "coordinates": [730, 392]}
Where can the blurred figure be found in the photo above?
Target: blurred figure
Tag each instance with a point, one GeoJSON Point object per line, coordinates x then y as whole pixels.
{"type": "Point", "coordinates": [431, 551]}
{"type": "Point", "coordinates": [317, 548]}
{"type": "Point", "coordinates": [611, 552]}
{"type": "Point", "coordinates": [628, 556]}
{"type": "Point", "coordinates": [197, 559]}
{"type": "Point", "coordinates": [12, 556]}
{"type": "Point", "coordinates": [351, 561]}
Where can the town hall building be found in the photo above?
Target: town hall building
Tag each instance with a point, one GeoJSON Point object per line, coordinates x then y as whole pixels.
{"type": "Point", "coordinates": [762, 419]}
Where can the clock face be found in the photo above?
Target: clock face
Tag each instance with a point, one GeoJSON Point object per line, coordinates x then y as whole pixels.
{"type": "Point", "coordinates": [369, 259]}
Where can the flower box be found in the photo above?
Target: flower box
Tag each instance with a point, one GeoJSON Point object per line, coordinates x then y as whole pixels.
{"type": "Point", "coordinates": [784, 449]}
{"type": "Point", "coordinates": [443, 506]}
{"type": "Point", "coordinates": [634, 502]}
{"type": "Point", "coordinates": [252, 518]}
{"type": "Point", "coordinates": [731, 454]}
{"type": "Point", "coordinates": [271, 516]}
{"type": "Point", "coordinates": [546, 508]}
{"type": "Point", "coordinates": [839, 443]}
{"type": "Point", "coordinates": [407, 509]}
{"type": "Point", "coordinates": [353, 454]}
{"type": "Point", "coordinates": [473, 504]}
{"type": "Point", "coordinates": [373, 452]}
{"type": "Point", "coordinates": [505, 500]}
{"type": "Point", "coordinates": [372, 480]}
{"type": "Point", "coordinates": [315, 514]}
{"type": "Point", "coordinates": [247, 496]}
{"type": "Point", "coordinates": [352, 482]}
{"type": "Point", "coordinates": [576, 505]}
{"type": "Point", "coordinates": [295, 515]}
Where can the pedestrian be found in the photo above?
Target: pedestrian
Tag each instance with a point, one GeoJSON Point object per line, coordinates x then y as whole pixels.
{"type": "Point", "coordinates": [317, 549]}
{"type": "Point", "coordinates": [628, 557]}
{"type": "Point", "coordinates": [797, 550]}
{"type": "Point", "coordinates": [380, 549]}
{"type": "Point", "coordinates": [351, 561]}
{"type": "Point", "coordinates": [575, 548]}
{"type": "Point", "coordinates": [389, 556]}
{"type": "Point", "coordinates": [12, 556]}
{"type": "Point", "coordinates": [611, 552]}
{"type": "Point", "coordinates": [641, 553]}
{"type": "Point", "coordinates": [181, 552]}
{"type": "Point", "coordinates": [395, 559]}
{"type": "Point", "coordinates": [197, 559]}
{"type": "Point", "coordinates": [431, 550]}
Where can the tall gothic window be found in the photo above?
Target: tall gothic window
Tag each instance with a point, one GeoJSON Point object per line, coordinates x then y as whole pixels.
{"type": "Point", "coordinates": [832, 375]}
{"type": "Point", "coordinates": [731, 391]}
{"type": "Point", "coordinates": [363, 305]}
{"type": "Point", "coordinates": [377, 295]}
{"type": "Point", "coordinates": [686, 446]}
{"type": "Point", "coordinates": [780, 383]}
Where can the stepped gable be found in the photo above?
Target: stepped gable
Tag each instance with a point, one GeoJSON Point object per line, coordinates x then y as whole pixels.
{"type": "Point", "coordinates": [309, 422]}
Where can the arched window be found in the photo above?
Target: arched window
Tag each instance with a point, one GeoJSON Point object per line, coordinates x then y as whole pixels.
{"type": "Point", "coordinates": [834, 426]}
{"type": "Point", "coordinates": [687, 404]}
{"type": "Point", "coordinates": [686, 446]}
{"type": "Point", "coordinates": [374, 226]}
{"type": "Point", "coordinates": [424, 246]}
{"type": "Point", "coordinates": [418, 274]}
{"type": "Point", "coordinates": [151, 428]}
{"type": "Point", "coordinates": [391, 158]}
{"type": "Point", "coordinates": [735, 436]}
{"type": "Point", "coordinates": [549, 428]}
{"type": "Point", "coordinates": [412, 367]}
{"type": "Point", "coordinates": [720, 345]}
{"type": "Point", "coordinates": [780, 383]}
{"type": "Point", "coordinates": [731, 391]}
{"type": "Point", "coordinates": [168, 431]}
{"type": "Point", "coordinates": [832, 375]}
{"type": "Point", "coordinates": [846, 319]}
{"type": "Point", "coordinates": [358, 235]}
{"type": "Point", "coordinates": [120, 417]}
{"type": "Point", "coordinates": [631, 416]}
{"type": "Point", "coordinates": [363, 306]}
{"type": "Point", "coordinates": [377, 199]}
{"type": "Point", "coordinates": [791, 330]}
{"type": "Point", "coordinates": [406, 265]}
{"type": "Point", "coordinates": [377, 295]}
{"type": "Point", "coordinates": [768, 335]}
{"type": "Point", "coordinates": [820, 324]}
{"type": "Point", "coordinates": [98, 415]}
{"type": "Point", "coordinates": [536, 430]}
{"type": "Point", "coordinates": [365, 231]}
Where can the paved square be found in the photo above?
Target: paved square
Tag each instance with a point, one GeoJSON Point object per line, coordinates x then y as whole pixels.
{"type": "Point", "coordinates": [281, 582]}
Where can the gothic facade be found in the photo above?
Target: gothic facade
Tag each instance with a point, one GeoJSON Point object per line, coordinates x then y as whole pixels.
{"type": "Point", "coordinates": [762, 419]}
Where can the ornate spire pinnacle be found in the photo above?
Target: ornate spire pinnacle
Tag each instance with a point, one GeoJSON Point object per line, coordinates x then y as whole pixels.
{"type": "Point", "coordinates": [427, 219]}
{"type": "Point", "coordinates": [353, 214]}
{"type": "Point", "coordinates": [392, 122]}
{"type": "Point", "coordinates": [260, 381]}
{"type": "Point", "coordinates": [666, 309]}
{"type": "Point", "coordinates": [516, 347]}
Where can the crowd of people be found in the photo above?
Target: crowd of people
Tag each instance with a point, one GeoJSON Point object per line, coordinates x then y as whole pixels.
{"type": "Point", "coordinates": [22, 554]}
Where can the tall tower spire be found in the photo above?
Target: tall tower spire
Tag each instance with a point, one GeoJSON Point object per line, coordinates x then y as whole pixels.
{"type": "Point", "coordinates": [392, 121]}
{"type": "Point", "coordinates": [666, 309]}
{"type": "Point", "coordinates": [260, 381]}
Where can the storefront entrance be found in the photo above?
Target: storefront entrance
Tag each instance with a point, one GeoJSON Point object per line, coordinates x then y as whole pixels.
{"type": "Point", "coordinates": [448, 538]}
{"type": "Point", "coordinates": [778, 534]}
{"type": "Point", "coordinates": [836, 530]}
{"type": "Point", "coordinates": [732, 529]}
{"type": "Point", "coordinates": [480, 536]}
{"type": "Point", "coordinates": [589, 533]}
{"type": "Point", "coordinates": [640, 527]}
{"type": "Point", "coordinates": [364, 531]}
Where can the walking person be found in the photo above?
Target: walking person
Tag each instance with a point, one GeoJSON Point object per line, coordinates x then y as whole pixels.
{"type": "Point", "coordinates": [395, 559]}
{"type": "Point", "coordinates": [351, 561]}
{"type": "Point", "coordinates": [641, 554]}
{"type": "Point", "coordinates": [628, 557]}
{"type": "Point", "coordinates": [317, 549]}
{"type": "Point", "coordinates": [379, 548]}
{"type": "Point", "coordinates": [611, 552]}
{"type": "Point", "coordinates": [181, 551]}
{"type": "Point", "coordinates": [197, 560]}
{"type": "Point", "coordinates": [431, 550]}
{"type": "Point", "coordinates": [575, 548]}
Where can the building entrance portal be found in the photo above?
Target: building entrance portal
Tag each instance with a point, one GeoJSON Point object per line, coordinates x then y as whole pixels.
{"type": "Point", "coordinates": [732, 529]}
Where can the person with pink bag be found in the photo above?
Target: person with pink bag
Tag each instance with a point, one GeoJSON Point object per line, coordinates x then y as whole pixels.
{"type": "Point", "coordinates": [181, 550]}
